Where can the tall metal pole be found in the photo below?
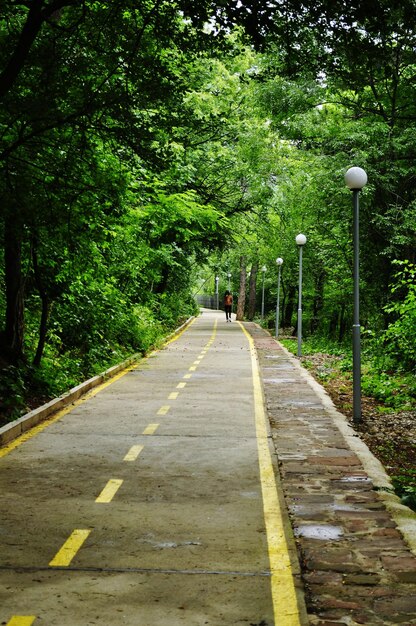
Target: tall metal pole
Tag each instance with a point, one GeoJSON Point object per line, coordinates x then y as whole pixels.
{"type": "Point", "coordinates": [263, 269]}
{"type": "Point", "coordinates": [300, 304]}
{"type": "Point", "coordinates": [216, 291]}
{"type": "Point", "coordinates": [356, 329]}
{"type": "Point", "coordinates": [278, 301]}
{"type": "Point", "coordinates": [356, 179]}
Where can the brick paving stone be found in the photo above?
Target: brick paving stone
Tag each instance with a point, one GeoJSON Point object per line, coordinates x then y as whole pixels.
{"type": "Point", "coordinates": [366, 573]}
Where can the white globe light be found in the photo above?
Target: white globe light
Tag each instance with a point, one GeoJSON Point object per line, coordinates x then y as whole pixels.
{"type": "Point", "coordinates": [300, 239]}
{"type": "Point", "coordinates": [279, 261]}
{"type": "Point", "coordinates": [355, 178]}
{"type": "Point", "coordinates": [264, 268]}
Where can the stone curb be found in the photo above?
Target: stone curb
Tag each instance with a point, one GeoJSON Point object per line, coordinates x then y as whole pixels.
{"type": "Point", "coordinates": [33, 418]}
{"type": "Point", "coordinates": [404, 517]}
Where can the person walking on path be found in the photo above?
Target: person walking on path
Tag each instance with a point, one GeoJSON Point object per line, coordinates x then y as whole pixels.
{"type": "Point", "coordinates": [228, 303]}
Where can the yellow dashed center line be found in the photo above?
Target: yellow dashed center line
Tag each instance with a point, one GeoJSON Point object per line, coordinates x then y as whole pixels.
{"type": "Point", "coordinates": [109, 491]}
{"type": "Point", "coordinates": [192, 368]}
{"type": "Point", "coordinates": [133, 453]}
{"type": "Point", "coordinates": [188, 376]}
{"type": "Point", "coordinates": [180, 385]}
{"type": "Point", "coordinates": [71, 546]}
{"type": "Point", "coordinates": [21, 620]}
{"type": "Point", "coordinates": [197, 362]}
{"type": "Point", "coordinates": [150, 429]}
{"type": "Point", "coordinates": [173, 395]}
{"type": "Point", "coordinates": [163, 409]}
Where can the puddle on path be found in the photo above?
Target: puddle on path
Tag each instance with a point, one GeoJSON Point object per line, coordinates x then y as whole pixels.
{"type": "Point", "coordinates": [280, 381]}
{"type": "Point", "coordinates": [355, 479]}
{"type": "Point", "coordinates": [324, 532]}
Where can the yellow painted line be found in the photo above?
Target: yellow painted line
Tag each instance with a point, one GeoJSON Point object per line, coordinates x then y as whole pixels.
{"type": "Point", "coordinates": [180, 333]}
{"type": "Point", "coordinates": [133, 453]}
{"type": "Point", "coordinates": [192, 368]}
{"type": "Point", "coordinates": [201, 356]}
{"type": "Point", "coordinates": [59, 414]}
{"type": "Point", "coordinates": [197, 362]}
{"type": "Point", "coordinates": [286, 611]}
{"type": "Point", "coordinates": [163, 410]}
{"type": "Point", "coordinates": [150, 429]}
{"type": "Point", "coordinates": [109, 491]}
{"type": "Point", "coordinates": [173, 395]}
{"type": "Point", "coordinates": [21, 620]}
{"type": "Point", "coordinates": [181, 386]}
{"type": "Point", "coordinates": [71, 546]}
{"type": "Point", "coordinates": [188, 376]}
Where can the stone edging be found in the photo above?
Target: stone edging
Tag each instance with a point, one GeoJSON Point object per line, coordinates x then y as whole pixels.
{"type": "Point", "coordinates": [33, 418]}
{"type": "Point", "coordinates": [404, 517]}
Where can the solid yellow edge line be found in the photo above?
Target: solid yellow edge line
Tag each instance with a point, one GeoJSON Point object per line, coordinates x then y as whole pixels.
{"type": "Point", "coordinates": [179, 333]}
{"type": "Point", "coordinates": [109, 491]}
{"type": "Point", "coordinates": [21, 620]}
{"type": "Point", "coordinates": [71, 546]}
{"type": "Point", "coordinates": [285, 606]}
{"type": "Point", "coordinates": [59, 414]}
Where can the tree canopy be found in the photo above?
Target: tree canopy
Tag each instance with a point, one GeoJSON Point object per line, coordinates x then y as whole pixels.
{"type": "Point", "coordinates": [144, 145]}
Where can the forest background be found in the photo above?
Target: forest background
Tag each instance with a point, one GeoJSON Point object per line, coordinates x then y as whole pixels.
{"type": "Point", "coordinates": [147, 147]}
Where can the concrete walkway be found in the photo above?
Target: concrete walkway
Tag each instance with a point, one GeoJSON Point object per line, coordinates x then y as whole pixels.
{"type": "Point", "coordinates": [157, 501]}
{"type": "Point", "coordinates": [356, 564]}
{"type": "Point", "coordinates": [153, 502]}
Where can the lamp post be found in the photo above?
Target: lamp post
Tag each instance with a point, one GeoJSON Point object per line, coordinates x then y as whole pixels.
{"type": "Point", "coordinates": [264, 270]}
{"type": "Point", "coordinates": [229, 281]}
{"type": "Point", "coordinates": [356, 179]}
{"type": "Point", "coordinates": [300, 240]}
{"type": "Point", "coordinates": [279, 263]}
{"type": "Point", "coordinates": [216, 291]}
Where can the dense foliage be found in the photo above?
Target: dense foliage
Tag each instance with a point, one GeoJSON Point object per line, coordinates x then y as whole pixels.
{"type": "Point", "coordinates": [147, 146]}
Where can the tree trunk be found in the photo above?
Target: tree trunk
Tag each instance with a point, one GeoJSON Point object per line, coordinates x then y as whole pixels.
{"type": "Point", "coordinates": [318, 301]}
{"type": "Point", "coordinates": [14, 323]}
{"type": "Point", "coordinates": [289, 307]}
{"type": "Point", "coordinates": [342, 324]}
{"type": "Point", "coordinates": [252, 291]}
{"type": "Point", "coordinates": [43, 327]}
{"type": "Point", "coordinates": [242, 293]}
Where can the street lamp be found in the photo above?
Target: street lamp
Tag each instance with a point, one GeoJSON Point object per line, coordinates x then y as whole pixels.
{"type": "Point", "coordinates": [264, 270]}
{"type": "Point", "coordinates": [355, 179]}
{"type": "Point", "coordinates": [216, 291]}
{"type": "Point", "coordinates": [300, 240]}
{"type": "Point", "coordinates": [229, 281]}
{"type": "Point", "coordinates": [279, 262]}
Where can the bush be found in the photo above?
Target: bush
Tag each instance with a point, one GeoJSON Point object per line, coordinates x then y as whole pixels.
{"type": "Point", "coordinates": [399, 340]}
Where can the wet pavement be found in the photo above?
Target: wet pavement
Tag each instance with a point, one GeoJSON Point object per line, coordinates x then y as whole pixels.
{"type": "Point", "coordinates": [166, 476]}
{"type": "Point", "coordinates": [152, 502]}
{"type": "Point", "coordinates": [353, 537]}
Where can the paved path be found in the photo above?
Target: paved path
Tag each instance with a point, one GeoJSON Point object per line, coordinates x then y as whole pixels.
{"type": "Point", "coordinates": [356, 566]}
{"type": "Point", "coordinates": [154, 501]}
